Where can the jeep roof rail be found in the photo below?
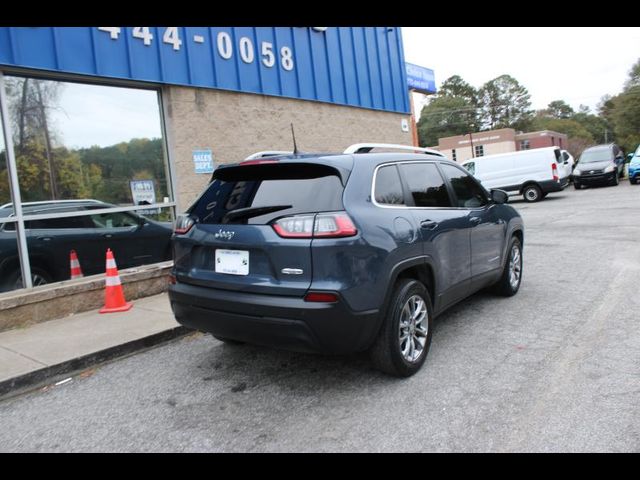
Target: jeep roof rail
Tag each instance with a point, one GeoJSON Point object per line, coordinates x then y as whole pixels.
{"type": "Point", "coordinates": [267, 153]}
{"type": "Point", "coordinates": [367, 147]}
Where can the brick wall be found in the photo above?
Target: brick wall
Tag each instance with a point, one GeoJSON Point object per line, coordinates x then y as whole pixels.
{"type": "Point", "coordinates": [235, 125]}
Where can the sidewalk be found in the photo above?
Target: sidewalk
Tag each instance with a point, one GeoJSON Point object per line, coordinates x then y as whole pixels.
{"type": "Point", "coordinates": [45, 351]}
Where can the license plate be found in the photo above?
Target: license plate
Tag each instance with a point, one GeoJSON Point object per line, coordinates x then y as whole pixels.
{"type": "Point", "coordinates": [232, 262]}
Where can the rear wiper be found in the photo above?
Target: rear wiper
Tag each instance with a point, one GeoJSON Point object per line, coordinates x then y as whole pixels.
{"type": "Point", "coordinates": [249, 212]}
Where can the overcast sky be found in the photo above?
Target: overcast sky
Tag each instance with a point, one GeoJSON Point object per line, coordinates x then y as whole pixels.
{"type": "Point", "coordinates": [575, 64]}
{"type": "Point", "coordinates": [98, 115]}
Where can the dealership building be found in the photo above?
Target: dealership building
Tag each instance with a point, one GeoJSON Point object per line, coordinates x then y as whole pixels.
{"type": "Point", "coordinates": [139, 117]}
{"type": "Point", "coordinates": [461, 148]}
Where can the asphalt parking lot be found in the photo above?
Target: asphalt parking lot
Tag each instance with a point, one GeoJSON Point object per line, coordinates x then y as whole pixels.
{"type": "Point", "coordinates": [555, 368]}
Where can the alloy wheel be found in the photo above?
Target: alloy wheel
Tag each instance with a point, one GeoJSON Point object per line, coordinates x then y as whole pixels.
{"type": "Point", "coordinates": [413, 328]}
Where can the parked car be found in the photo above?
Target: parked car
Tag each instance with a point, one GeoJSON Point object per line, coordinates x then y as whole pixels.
{"type": "Point", "coordinates": [341, 253]}
{"type": "Point", "coordinates": [601, 164]}
{"type": "Point", "coordinates": [531, 173]}
{"type": "Point", "coordinates": [634, 167]}
{"type": "Point", "coordinates": [135, 241]}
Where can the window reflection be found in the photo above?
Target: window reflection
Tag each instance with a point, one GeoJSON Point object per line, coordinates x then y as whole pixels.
{"type": "Point", "coordinates": [81, 147]}
{"type": "Point", "coordinates": [76, 141]}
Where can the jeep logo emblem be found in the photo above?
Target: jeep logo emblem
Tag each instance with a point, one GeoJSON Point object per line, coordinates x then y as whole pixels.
{"type": "Point", "coordinates": [224, 235]}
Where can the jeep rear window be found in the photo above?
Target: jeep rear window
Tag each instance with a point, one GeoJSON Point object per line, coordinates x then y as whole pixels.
{"type": "Point", "coordinates": [302, 188]}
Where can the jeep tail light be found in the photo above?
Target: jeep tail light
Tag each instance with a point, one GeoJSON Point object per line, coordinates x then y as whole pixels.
{"type": "Point", "coordinates": [183, 224]}
{"type": "Point", "coordinates": [321, 297]}
{"type": "Point", "coordinates": [298, 226]}
{"type": "Point", "coordinates": [334, 225]}
{"type": "Point", "coordinates": [554, 172]}
{"type": "Point", "coordinates": [325, 225]}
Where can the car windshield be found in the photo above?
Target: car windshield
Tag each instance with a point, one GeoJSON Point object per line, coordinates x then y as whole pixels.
{"type": "Point", "coordinates": [598, 155]}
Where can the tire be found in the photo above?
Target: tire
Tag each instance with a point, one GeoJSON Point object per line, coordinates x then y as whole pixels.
{"type": "Point", "coordinates": [577, 186]}
{"type": "Point", "coordinates": [633, 181]}
{"type": "Point", "coordinates": [532, 193]}
{"type": "Point", "coordinates": [387, 352]}
{"type": "Point", "coordinates": [506, 286]}
{"type": "Point", "coordinates": [38, 277]}
{"type": "Point", "coordinates": [615, 181]}
{"type": "Point", "coordinates": [228, 341]}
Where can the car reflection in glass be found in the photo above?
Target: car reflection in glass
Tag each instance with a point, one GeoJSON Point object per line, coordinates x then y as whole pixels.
{"type": "Point", "coordinates": [134, 239]}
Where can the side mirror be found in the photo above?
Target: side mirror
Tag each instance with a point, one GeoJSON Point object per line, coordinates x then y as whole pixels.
{"type": "Point", "coordinates": [499, 196]}
{"type": "Point", "coordinates": [629, 157]}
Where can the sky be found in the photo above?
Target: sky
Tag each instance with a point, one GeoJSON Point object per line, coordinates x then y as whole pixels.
{"type": "Point", "coordinates": [96, 115]}
{"type": "Point", "coordinates": [575, 64]}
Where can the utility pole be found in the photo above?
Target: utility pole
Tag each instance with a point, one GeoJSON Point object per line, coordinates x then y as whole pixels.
{"type": "Point", "coordinates": [471, 127]}
{"type": "Point", "coordinates": [414, 125]}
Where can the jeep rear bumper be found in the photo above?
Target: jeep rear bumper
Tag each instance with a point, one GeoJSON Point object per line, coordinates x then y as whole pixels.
{"type": "Point", "coordinates": [271, 320]}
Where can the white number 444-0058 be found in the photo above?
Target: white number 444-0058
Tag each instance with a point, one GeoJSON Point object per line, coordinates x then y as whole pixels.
{"type": "Point", "coordinates": [223, 42]}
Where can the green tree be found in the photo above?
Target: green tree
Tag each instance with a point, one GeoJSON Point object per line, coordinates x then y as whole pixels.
{"type": "Point", "coordinates": [625, 118]}
{"type": "Point", "coordinates": [634, 76]}
{"type": "Point", "coordinates": [558, 109]}
{"type": "Point", "coordinates": [597, 126]}
{"type": "Point", "coordinates": [443, 117]}
{"type": "Point", "coordinates": [455, 86]}
{"type": "Point", "coordinates": [505, 104]}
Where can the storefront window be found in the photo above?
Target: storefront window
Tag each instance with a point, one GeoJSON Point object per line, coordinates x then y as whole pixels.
{"type": "Point", "coordinates": [76, 141]}
{"type": "Point", "coordinates": [82, 149]}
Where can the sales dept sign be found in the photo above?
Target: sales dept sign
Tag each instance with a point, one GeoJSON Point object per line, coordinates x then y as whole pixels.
{"type": "Point", "coordinates": [203, 161]}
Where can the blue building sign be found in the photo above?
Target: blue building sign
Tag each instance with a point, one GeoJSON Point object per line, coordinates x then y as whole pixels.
{"type": "Point", "coordinates": [421, 79]}
{"type": "Point", "coordinates": [356, 66]}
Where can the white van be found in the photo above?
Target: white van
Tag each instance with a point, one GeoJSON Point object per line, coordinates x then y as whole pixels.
{"type": "Point", "coordinates": [532, 173]}
{"type": "Point", "coordinates": [569, 163]}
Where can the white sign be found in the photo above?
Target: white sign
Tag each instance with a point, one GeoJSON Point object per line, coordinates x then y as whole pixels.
{"type": "Point", "coordinates": [143, 193]}
{"type": "Point", "coordinates": [404, 124]}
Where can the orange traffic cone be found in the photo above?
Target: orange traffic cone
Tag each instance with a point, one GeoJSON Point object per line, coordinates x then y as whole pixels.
{"type": "Point", "coordinates": [76, 271]}
{"type": "Point", "coordinates": [113, 296]}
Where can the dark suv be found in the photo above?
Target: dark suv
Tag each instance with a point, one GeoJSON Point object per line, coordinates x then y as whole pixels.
{"type": "Point", "coordinates": [341, 253]}
{"type": "Point", "coordinates": [602, 164]}
{"type": "Point", "coordinates": [135, 241]}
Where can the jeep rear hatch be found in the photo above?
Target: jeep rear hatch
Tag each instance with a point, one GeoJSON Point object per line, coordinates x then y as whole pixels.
{"type": "Point", "coordinates": [236, 240]}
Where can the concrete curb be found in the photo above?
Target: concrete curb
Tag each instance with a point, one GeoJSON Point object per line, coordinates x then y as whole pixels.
{"type": "Point", "coordinates": [38, 378]}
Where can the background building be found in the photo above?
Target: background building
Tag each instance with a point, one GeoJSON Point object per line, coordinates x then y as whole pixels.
{"type": "Point", "coordinates": [140, 116]}
{"type": "Point", "coordinates": [458, 148]}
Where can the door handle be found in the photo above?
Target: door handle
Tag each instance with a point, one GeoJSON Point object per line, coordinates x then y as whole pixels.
{"type": "Point", "coordinates": [428, 224]}
{"type": "Point", "coordinates": [45, 239]}
{"type": "Point", "coordinates": [108, 235]}
{"type": "Point", "coordinates": [475, 220]}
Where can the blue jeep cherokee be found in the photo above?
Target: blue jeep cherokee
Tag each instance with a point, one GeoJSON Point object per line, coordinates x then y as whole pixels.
{"type": "Point", "coordinates": [341, 253]}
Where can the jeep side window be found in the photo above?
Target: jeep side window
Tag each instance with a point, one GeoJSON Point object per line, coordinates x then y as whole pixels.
{"type": "Point", "coordinates": [388, 189]}
{"type": "Point", "coordinates": [426, 185]}
{"type": "Point", "coordinates": [468, 193]}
